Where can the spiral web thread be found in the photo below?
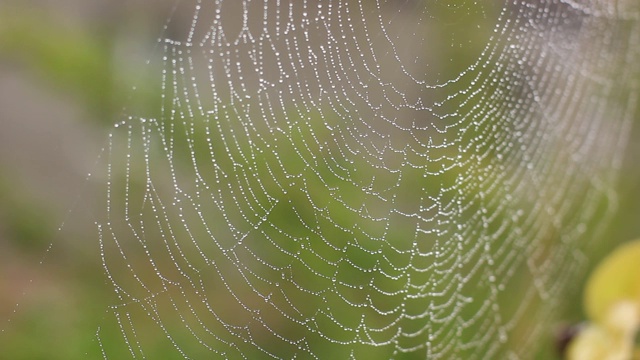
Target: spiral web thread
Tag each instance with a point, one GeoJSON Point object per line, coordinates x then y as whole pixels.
{"type": "Point", "coordinates": [366, 179]}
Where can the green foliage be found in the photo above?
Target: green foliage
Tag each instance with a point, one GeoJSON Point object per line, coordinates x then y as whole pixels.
{"type": "Point", "coordinates": [612, 303]}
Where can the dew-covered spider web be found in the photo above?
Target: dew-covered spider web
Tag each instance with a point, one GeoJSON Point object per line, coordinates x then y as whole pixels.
{"type": "Point", "coordinates": [366, 179]}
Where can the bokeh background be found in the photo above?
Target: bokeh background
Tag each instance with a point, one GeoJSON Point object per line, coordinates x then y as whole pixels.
{"type": "Point", "coordinates": [67, 68]}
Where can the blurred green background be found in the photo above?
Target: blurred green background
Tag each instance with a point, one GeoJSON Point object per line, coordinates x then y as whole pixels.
{"type": "Point", "coordinates": [66, 72]}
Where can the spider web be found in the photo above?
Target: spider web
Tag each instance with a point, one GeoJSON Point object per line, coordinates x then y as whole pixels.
{"type": "Point", "coordinates": [365, 179]}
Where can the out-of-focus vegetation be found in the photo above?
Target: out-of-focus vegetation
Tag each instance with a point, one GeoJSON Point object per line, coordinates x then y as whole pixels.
{"type": "Point", "coordinates": [74, 60]}
{"type": "Point", "coordinates": [62, 298]}
{"type": "Point", "coordinates": [612, 303]}
{"type": "Point", "coordinates": [62, 65]}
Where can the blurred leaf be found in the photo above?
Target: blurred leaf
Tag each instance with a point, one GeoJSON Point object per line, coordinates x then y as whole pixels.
{"type": "Point", "coordinates": [612, 302]}
{"type": "Point", "coordinates": [616, 279]}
